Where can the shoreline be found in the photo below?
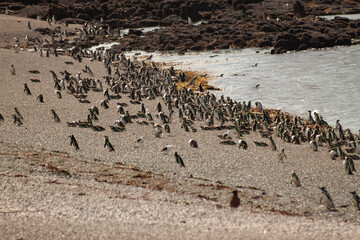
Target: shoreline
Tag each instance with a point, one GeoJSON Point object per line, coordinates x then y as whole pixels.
{"type": "Point", "coordinates": [93, 183]}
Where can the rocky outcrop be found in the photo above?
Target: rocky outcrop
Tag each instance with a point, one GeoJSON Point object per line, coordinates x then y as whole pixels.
{"type": "Point", "coordinates": [281, 24]}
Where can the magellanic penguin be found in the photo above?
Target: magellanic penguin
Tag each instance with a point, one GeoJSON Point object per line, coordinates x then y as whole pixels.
{"type": "Point", "coordinates": [349, 166]}
{"type": "Point", "coordinates": [243, 144]}
{"type": "Point", "coordinates": [26, 89]}
{"type": "Point", "coordinates": [40, 98]}
{"type": "Point", "coordinates": [58, 94]}
{"type": "Point", "coordinates": [73, 142]}
{"type": "Point", "coordinates": [295, 180]}
{"type": "Point", "coordinates": [167, 148]}
{"type": "Point", "coordinates": [179, 159]}
{"type": "Point", "coordinates": [158, 131]}
{"type": "Point", "coordinates": [282, 155]}
{"type": "Point", "coordinates": [108, 144]}
{"type": "Point", "coordinates": [356, 200]}
{"type": "Point", "coordinates": [55, 116]}
{"type": "Point", "coordinates": [17, 120]}
{"type": "Point", "coordinates": [18, 113]}
{"type": "Point", "coordinates": [140, 140]}
{"type": "Point", "coordinates": [326, 199]}
{"type": "Point", "coordinates": [313, 145]}
{"type": "Point", "coordinates": [193, 143]}
{"type": "Point", "coordinates": [12, 69]}
{"type": "Point", "coordinates": [273, 145]}
{"type": "Point", "coordinates": [234, 200]}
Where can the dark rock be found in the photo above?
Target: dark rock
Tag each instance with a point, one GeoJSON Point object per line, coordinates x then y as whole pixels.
{"type": "Point", "coordinates": [343, 40]}
{"type": "Point", "coordinates": [135, 32]}
{"type": "Point", "coordinates": [299, 9]}
{"type": "Point", "coordinates": [172, 19]}
{"type": "Point", "coordinates": [287, 41]}
{"type": "Point", "coordinates": [57, 10]}
{"type": "Point", "coordinates": [302, 47]}
{"type": "Point", "coordinates": [320, 41]}
{"type": "Point", "coordinates": [269, 28]}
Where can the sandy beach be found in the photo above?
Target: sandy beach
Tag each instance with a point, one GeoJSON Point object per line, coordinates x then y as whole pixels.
{"type": "Point", "coordinates": [50, 190]}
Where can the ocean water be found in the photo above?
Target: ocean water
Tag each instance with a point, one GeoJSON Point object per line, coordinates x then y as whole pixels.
{"type": "Point", "coordinates": [349, 16]}
{"type": "Point", "coordinates": [326, 80]}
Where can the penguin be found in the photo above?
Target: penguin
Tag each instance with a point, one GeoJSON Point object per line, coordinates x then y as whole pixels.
{"type": "Point", "coordinates": [140, 140]}
{"type": "Point", "coordinates": [167, 148]}
{"type": "Point", "coordinates": [58, 94]}
{"type": "Point", "coordinates": [311, 119]}
{"type": "Point", "coordinates": [26, 89]}
{"type": "Point", "coordinates": [95, 110]}
{"type": "Point", "coordinates": [105, 104]}
{"type": "Point", "coordinates": [333, 155]}
{"type": "Point", "coordinates": [313, 145]}
{"type": "Point", "coordinates": [117, 129]}
{"type": "Point", "coordinates": [73, 142]}
{"type": "Point", "coordinates": [242, 144]}
{"type": "Point", "coordinates": [326, 199]}
{"type": "Point", "coordinates": [106, 94]}
{"type": "Point", "coordinates": [192, 82]}
{"type": "Point", "coordinates": [234, 200]}
{"type": "Point", "coordinates": [159, 107]}
{"type": "Point", "coordinates": [356, 200]}
{"type": "Point", "coordinates": [338, 125]}
{"type": "Point", "coordinates": [193, 143]}
{"type": "Point", "coordinates": [158, 131]}
{"type": "Point", "coordinates": [167, 128]}
{"type": "Point", "coordinates": [12, 69]}
{"type": "Point", "coordinates": [295, 180]}
{"type": "Point", "coordinates": [349, 166]}
{"type": "Point", "coordinates": [108, 144]}
{"type": "Point", "coordinates": [55, 116]}
{"type": "Point", "coordinates": [18, 113]}
{"type": "Point", "coordinates": [273, 144]}
{"type": "Point", "coordinates": [179, 159]}
{"type": "Point", "coordinates": [282, 155]}
{"type": "Point", "coordinates": [17, 120]}
{"type": "Point", "coordinates": [227, 135]}
{"type": "Point", "coordinates": [148, 115]}
{"type": "Point", "coordinates": [200, 88]}
{"type": "Point", "coordinates": [259, 106]}
{"type": "Point", "coordinates": [40, 98]}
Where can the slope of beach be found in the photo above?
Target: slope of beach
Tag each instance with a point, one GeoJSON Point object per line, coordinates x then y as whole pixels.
{"type": "Point", "coordinates": [50, 189]}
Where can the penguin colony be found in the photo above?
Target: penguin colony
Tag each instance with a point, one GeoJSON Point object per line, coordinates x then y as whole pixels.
{"type": "Point", "coordinates": [140, 80]}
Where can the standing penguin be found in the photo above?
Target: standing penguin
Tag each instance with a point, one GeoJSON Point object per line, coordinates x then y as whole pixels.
{"type": "Point", "coordinates": [40, 98]}
{"type": "Point", "coordinates": [327, 200]}
{"type": "Point", "coordinates": [349, 166]}
{"type": "Point", "coordinates": [273, 144]}
{"type": "Point", "coordinates": [55, 116]}
{"type": "Point", "coordinates": [108, 144]}
{"type": "Point", "coordinates": [12, 69]}
{"type": "Point", "coordinates": [26, 89]}
{"type": "Point", "coordinates": [295, 180]}
{"type": "Point", "coordinates": [282, 155]}
{"type": "Point", "coordinates": [356, 200]}
{"type": "Point", "coordinates": [73, 142]}
{"type": "Point", "coordinates": [179, 159]}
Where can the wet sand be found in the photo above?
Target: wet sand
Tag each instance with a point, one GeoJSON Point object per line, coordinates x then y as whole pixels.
{"type": "Point", "coordinates": [50, 189]}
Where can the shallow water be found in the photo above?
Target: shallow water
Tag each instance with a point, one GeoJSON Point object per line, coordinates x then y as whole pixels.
{"type": "Point", "coordinates": [349, 16]}
{"type": "Point", "coordinates": [327, 80]}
